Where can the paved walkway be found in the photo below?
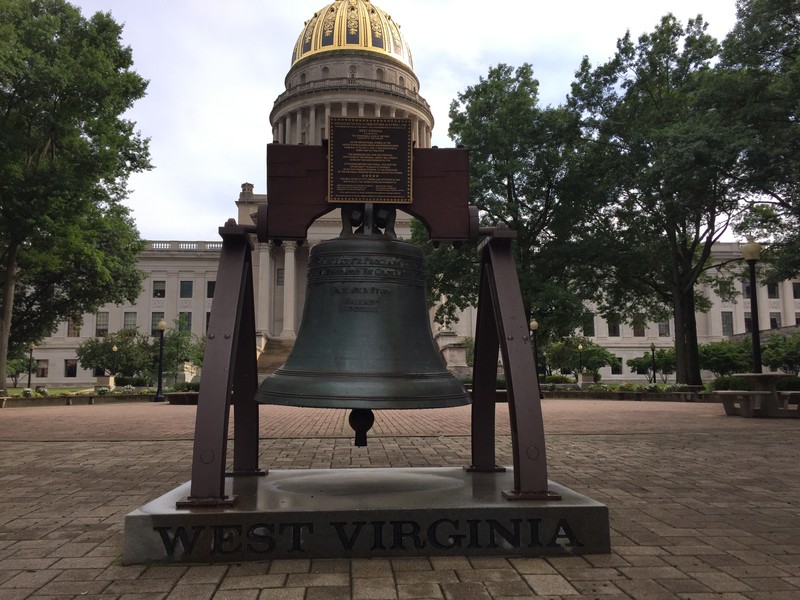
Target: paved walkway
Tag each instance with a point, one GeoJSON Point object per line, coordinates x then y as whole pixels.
{"type": "Point", "coordinates": [702, 506]}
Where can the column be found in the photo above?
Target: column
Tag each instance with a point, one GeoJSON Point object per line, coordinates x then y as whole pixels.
{"type": "Point", "coordinates": [287, 129]}
{"type": "Point", "coordinates": [312, 125]}
{"type": "Point", "coordinates": [327, 120]}
{"type": "Point", "coordinates": [360, 109]}
{"type": "Point", "coordinates": [289, 291]}
{"type": "Point", "coordinates": [263, 300]}
{"type": "Point", "coordinates": [344, 109]}
{"type": "Point", "coordinates": [280, 139]}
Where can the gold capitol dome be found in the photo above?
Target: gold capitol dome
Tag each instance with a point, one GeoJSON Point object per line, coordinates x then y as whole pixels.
{"type": "Point", "coordinates": [352, 25]}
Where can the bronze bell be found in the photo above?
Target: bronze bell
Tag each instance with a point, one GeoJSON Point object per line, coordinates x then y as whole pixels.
{"type": "Point", "coordinates": [365, 340]}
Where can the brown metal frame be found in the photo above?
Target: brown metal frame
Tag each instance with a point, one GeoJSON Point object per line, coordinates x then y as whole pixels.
{"type": "Point", "coordinates": [502, 326]}
{"type": "Point", "coordinates": [229, 366]}
{"type": "Point", "coordinates": [230, 377]}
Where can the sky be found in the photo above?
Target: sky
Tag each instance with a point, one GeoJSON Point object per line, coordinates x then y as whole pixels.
{"type": "Point", "coordinates": [215, 69]}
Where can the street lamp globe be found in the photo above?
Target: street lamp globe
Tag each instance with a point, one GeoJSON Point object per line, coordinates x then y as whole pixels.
{"type": "Point", "coordinates": [751, 250]}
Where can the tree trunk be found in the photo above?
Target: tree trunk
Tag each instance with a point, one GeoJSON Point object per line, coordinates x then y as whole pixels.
{"type": "Point", "coordinates": [686, 351]}
{"type": "Point", "coordinates": [7, 306]}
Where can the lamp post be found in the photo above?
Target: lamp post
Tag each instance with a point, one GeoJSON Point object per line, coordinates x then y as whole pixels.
{"type": "Point", "coordinates": [751, 252]}
{"type": "Point", "coordinates": [653, 359]}
{"type": "Point", "coordinates": [580, 363]}
{"type": "Point", "coordinates": [534, 326]}
{"type": "Point", "coordinates": [113, 365]}
{"type": "Point", "coordinates": [31, 346]}
{"type": "Point", "coordinates": [162, 325]}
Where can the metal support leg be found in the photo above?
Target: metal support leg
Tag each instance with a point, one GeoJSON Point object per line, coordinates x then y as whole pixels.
{"type": "Point", "coordinates": [228, 366]}
{"type": "Point", "coordinates": [501, 296]}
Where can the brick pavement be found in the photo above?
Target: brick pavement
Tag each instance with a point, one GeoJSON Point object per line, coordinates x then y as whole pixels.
{"type": "Point", "coordinates": [702, 506]}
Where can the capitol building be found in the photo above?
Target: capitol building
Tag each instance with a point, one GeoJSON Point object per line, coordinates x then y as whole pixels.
{"type": "Point", "coordinates": [350, 60]}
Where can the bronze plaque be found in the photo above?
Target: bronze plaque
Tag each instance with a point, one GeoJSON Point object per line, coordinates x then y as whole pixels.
{"type": "Point", "coordinates": [369, 160]}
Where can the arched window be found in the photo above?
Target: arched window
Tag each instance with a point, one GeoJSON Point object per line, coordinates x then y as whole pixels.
{"type": "Point", "coordinates": [380, 75]}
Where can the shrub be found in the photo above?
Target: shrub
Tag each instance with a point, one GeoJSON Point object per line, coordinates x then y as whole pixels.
{"type": "Point", "coordinates": [27, 393]}
{"type": "Point", "coordinates": [102, 391]}
{"type": "Point", "coordinates": [42, 391]}
{"type": "Point", "coordinates": [790, 384]}
{"type": "Point", "coordinates": [136, 381]}
{"type": "Point", "coordinates": [729, 383]}
{"type": "Point", "coordinates": [552, 379]}
{"type": "Point", "coordinates": [186, 386]}
{"type": "Point", "coordinates": [128, 389]}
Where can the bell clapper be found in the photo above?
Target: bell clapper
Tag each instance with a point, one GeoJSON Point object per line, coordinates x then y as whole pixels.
{"type": "Point", "coordinates": [361, 420]}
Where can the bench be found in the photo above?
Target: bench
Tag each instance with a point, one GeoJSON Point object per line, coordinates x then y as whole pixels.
{"type": "Point", "coordinates": [742, 403]}
{"type": "Point", "coordinates": [789, 403]}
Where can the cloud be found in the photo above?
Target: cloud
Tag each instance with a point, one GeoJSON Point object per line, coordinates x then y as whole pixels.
{"type": "Point", "coordinates": [215, 70]}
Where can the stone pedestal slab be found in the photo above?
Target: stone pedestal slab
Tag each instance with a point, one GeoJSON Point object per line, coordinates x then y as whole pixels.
{"type": "Point", "coordinates": [348, 513]}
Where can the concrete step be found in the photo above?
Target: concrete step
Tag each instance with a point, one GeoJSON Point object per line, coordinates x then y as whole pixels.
{"type": "Point", "coordinates": [275, 354]}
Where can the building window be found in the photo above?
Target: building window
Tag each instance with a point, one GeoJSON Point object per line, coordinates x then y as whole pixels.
{"type": "Point", "coordinates": [185, 321]}
{"type": "Point", "coordinates": [279, 276]}
{"type": "Point", "coordinates": [70, 367]}
{"type": "Point", "coordinates": [101, 324]}
{"type": "Point", "coordinates": [797, 319]}
{"type": "Point", "coordinates": [154, 319]}
{"type": "Point", "coordinates": [588, 325]}
{"type": "Point", "coordinates": [129, 320]}
{"type": "Point", "coordinates": [208, 319]}
{"type": "Point", "coordinates": [638, 331]}
{"type": "Point", "coordinates": [796, 290]}
{"type": "Point", "coordinates": [727, 323]}
{"type": "Point", "coordinates": [745, 290]}
{"type": "Point", "coordinates": [613, 329]}
{"type": "Point", "coordinates": [42, 367]}
{"type": "Point", "coordinates": [617, 368]}
{"type": "Point", "coordinates": [159, 289]}
{"type": "Point", "coordinates": [663, 329]}
{"type": "Point", "coordinates": [773, 291]}
{"type": "Point", "coordinates": [748, 323]}
{"type": "Point", "coordinates": [210, 285]}
{"type": "Point", "coordinates": [186, 289]}
{"type": "Point", "coordinates": [774, 320]}
{"type": "Point", "coordinates": [73, 329]}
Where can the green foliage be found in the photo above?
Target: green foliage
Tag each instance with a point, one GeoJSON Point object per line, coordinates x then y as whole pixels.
{"type": "Point", "coordinates": [186, 386]}
{"type": "Point", "coordinates": [663, 163]}
{"type": "Point", "coordinates": [180, 346]}
{"type": "Point", "coordinates": [126, 352]}
{"type": "Point", "coordinates": [664, 363]}
{"type": "Point", "coordinates": [450, 273]}
{"type": "Point", "coordinates": [729, 383]}
{"type": "Point", "coordinates": [782, 352]}
{"type": "Point", "coordinates": [760, 87]}
{"type": "Point", "coordinates": [790, 384]}
{"type": "Point", "coordinates": [67, 244]}
{"type": "Point", "coordinates": [726, 357]}
{"type": "Point", "coordinates": [576, 354]}
{"type": "Point", "coordinates": [519, 177]}
{"type": "Point", "coordinates": [557, 379]}
{"type": "Point", "coordinates": [16, 367]}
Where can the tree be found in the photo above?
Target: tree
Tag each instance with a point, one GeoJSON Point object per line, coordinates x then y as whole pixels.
{"type": "Point", "coordinates": [16, 367]}
{"type": "Point", "coordinates": [125, 352]}
{"type": "Point", "coordinates": [726, 357]}
{"type": "Point", "coordinates": [67, 244]}
{"type": "Point", "coordinates": [180, 347]}
{"type": "Point", "coordinates": [782, 352]}
{"type": "Point", "coordinates": [519, 156]}
{"type": "Point", "coordinates": [580, 354]}
{"type": "Point", "coordinates": [666, 163]}
{"type": "Point", "coordinates": [760, 89]}
{"type": "Point", "coordinates": [664, 364]}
